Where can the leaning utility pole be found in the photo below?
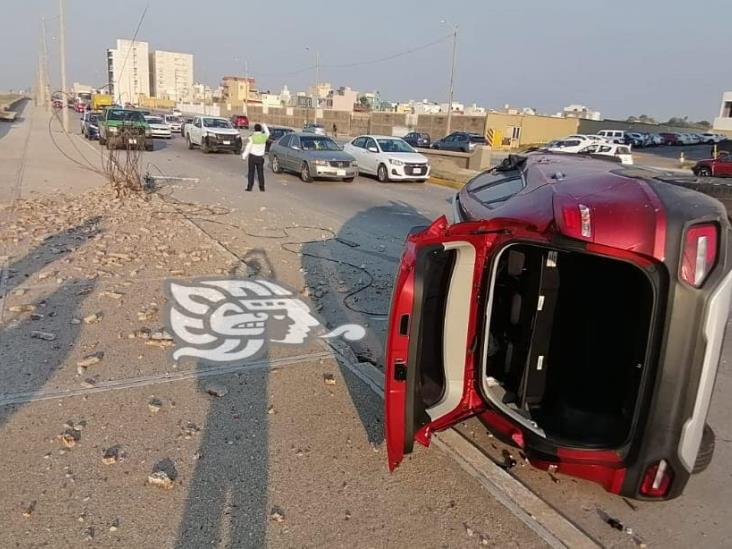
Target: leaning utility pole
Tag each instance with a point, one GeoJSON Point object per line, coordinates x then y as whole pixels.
{"type": "Point", "coordinates": [62, 54]}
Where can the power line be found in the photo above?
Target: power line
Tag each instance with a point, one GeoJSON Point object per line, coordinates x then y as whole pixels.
{"type": "Point", "coordinates": [361, 63]}
{"type": "Point", "coordinates": [132, 42]}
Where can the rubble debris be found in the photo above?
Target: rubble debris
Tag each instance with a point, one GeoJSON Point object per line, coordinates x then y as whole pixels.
{"type": "Point", "coordinates": [46, 336]}
{"type": "Point", "coordinates": [70, 437]}
{"type": "Point", "coordinates": [154, 405]}
{"type": "Point", "coordinates": [114, 526]}
{"type": "Point", "coordinates": [509, 462]}
{"type": "Point", "coordinates": [216, 389]}
{"type": "Point", "coordinates": [75, 321]}
{"type": "Point", "coordinates": [88, 383]}
{"type": "Point", "coordinates": [113, 295]}
{"type": "Point", "coordinates": [329, 379]}
{"type": "Point", "coordinates": [90, 360]}
{"type": "Point", "coordinates": [142, 333]}
{"type": "Point", "coordinates": [160, 479]}
{"type": "Point", "coordinates": [161, 343]}
{"type": "Point", "coordinates": [161, 335]}
{"type": "Point", "coordinates": [29, 510]}
{"type": "Point", "coordinates": [277, 514]}
{"type": "Point", "coordinates": [92, 318]}
{"type": "Point", "coordinates": [111, 455]}
{"type": "Point", "coordinates": [36, 316]}
{"type": "Point", "coordinates": [89, 533]}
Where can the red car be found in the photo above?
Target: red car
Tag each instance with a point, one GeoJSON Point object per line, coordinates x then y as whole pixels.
{"type": "Point", "coordinates": [240, 121]}
{"type": "Point", "coordinates": [716, 167]}
{"type": "Point", "coordinates": [670, 138]}
{"type": "Point", "coordinates": [578, 307]}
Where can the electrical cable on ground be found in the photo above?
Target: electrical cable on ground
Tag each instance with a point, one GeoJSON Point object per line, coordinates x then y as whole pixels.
{"type": "Point", "coordinates": [193, 215]}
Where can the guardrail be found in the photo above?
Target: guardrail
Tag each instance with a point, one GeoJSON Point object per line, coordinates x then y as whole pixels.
{"type": "Point", "coordinates": [5, 112]}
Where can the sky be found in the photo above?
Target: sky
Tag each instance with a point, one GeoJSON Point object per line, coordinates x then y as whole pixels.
{"type": "Point", "coordinates": [654, 57]}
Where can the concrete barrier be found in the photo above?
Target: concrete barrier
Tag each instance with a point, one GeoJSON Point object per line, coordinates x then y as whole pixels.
{"type": "Point", "coordinates": [5, 112]}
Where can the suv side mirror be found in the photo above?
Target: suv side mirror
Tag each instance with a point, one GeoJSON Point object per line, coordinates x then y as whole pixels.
{"type": "Point", "coordinates": [373, 149]}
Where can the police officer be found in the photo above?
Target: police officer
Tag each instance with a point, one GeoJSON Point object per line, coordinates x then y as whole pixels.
{"type": "Point", "coordinates": [255, 151]}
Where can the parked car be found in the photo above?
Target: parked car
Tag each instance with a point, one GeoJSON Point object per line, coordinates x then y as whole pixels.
{"type": "Point", "coordinates": [213, 134]}
{"type": "Point", "coordinates": [185, 120]}
{"type": "Point", "coordinates": [621, 153]}
{"type": "Point", "coordinates": [635, 139]}
{"type": "Point", "coordinates": [670, 138]}
{"type": "Point", "coordinates": [313, 157]}
{"type": "Point", "coordinates": [418, 139]}
{"type": "Point", "coordinates": [613, 136]}
{"type": "Point", "coordinates": [590, 344]}
{"type": "Point", "coordinates": [568, 145]}
{"type": "Point", "coordinates": [89, 124]}
{"type": "Point", "coordinates": [158, 127]}
{"type": "Point", "coordinates": [311, 127]}
{"type": "Point", "coordinates": [716, 167]}
{"type": "Point", "coordinates": [124, 128]}
{"type": "Point", "coordinates": [240, 121]}
{"type": "Point", "coordinates": [459, 141]}
{"type": "Point", "coordinates": [657, 139]}
{"type": "Point", "coordinates": [388, 158]}
{"type": "Point", "coordinates": [174, 121]}
{"type": "Point", "coordinates": [275, 133]}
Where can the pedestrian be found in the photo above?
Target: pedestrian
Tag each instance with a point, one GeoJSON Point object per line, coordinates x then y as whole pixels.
{"type": "Point", "coordinates": [254, 151]}
{"type": "Point", "coordinates": [335, 130]}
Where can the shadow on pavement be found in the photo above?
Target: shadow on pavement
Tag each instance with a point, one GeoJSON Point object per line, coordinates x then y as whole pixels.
{"type": "Point", "coordinates": [372, 238]}
{"type": "Point", "coordinates": [27, 363]}
{"type": "Point", "coordinates": [226, 505]}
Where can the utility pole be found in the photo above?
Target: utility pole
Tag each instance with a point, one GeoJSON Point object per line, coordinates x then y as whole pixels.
{"type": "Point", "coordinates": [452, 75]}
{"type": "Point", "coordinates": [317, 86]}
{"type": "Point", "coordinates": [62, 54]}
{"type": "Point", "coordinates": [246, 88]}
{"type": "Point", "coordinates": [45, 91]}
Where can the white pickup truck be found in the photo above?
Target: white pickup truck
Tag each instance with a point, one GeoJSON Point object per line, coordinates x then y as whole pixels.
{"type": "Point", "coordinates": [211, 134]}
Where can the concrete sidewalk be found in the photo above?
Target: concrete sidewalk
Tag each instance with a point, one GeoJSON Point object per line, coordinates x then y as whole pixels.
{"type": "Point", "coordinates": [41, 159]}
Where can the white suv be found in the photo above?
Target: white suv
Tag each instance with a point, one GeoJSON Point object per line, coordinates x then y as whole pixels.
{"type": "Point", "coordinates": [613, 136]}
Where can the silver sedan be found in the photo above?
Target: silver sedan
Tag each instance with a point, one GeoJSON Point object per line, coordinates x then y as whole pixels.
{"type": "Point", "coordinates": [313, 157]}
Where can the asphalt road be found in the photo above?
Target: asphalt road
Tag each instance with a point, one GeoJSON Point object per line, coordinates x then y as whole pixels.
{"type": "Point", "coordinates": [374, 218]}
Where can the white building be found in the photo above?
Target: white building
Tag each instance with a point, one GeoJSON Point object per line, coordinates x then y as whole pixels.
{"type": "Point", "coordinates": [456, 107]}
{"type": "Point", "coordinates": [724, 120]}
{"type": "Point", "coordinates": [580, 111]}
{"type": "Point", "coordinates": [285, 96]}
{"type": "Point", "coordinates": [171, 75]}
{"type": "Point", "coordinates": [424, 107]}
{"type": "Point", "coordinates": [128, 71]}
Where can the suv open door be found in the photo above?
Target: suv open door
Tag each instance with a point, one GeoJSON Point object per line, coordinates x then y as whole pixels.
{"type": "Point", "coordinates": [432, 348]}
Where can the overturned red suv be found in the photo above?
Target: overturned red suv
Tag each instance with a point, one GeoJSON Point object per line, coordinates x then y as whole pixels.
{"type": "Point", "coordinates": [576, 306]}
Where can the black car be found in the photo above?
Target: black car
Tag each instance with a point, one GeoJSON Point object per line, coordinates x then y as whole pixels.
{"type": "Point", "coordinates": [417, 139]}
{"type": "Point", "coordinates": [275, 133]}
{"type": "Point", "coordinates": [89, 127]}
{"type": "Point", "coordinates": [460, 142]}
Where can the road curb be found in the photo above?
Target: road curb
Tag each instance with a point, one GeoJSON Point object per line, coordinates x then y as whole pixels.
{"type": "Point", "coordinates": [446, 183]}
{"type": "Point", "coordinates": [545, 521]}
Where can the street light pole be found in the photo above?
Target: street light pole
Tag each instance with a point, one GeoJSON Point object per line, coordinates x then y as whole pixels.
{"type": "Point", "coordinates": [317, 90]}
{"type": "Point", "coordinates": [452, 74]}
{"type": "Point", "coordinates": [62, 54]}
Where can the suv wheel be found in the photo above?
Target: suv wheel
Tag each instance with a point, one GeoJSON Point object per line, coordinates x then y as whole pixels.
{"type": "Point", "coordinates": [705, 172]}
{"type": "Point", "coordinates": [204, 146]}
{"type": "Point", "coordinates": [275, 165]}
{"type": "Point", "coordinates": [382, 174]}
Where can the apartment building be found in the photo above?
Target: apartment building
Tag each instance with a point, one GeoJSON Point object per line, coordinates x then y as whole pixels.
{"type": "Point", "coordinates": [171, 75]}
{"type": "Point", "coordinates": [128, 71]}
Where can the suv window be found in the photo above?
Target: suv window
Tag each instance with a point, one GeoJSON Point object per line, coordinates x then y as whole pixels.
{"type": "Point", "coordinates": [494, 187]}
{"type": "Point", "coordinates": [359, 142]}
{"type": "Point", "coordinates": [475, 138]}
{"type": "Point", "coordinates": [285, 140]}
{"type": "Point", "coordinates": [294, 141]}
{"type": "Point", "coordinates": [370, 143]}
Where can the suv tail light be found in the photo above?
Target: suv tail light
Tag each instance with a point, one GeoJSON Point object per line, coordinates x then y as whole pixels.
{"type": "Point", "coordinates": [700, 253]}
{"type": "Point", "coordinates": [577, 220]}
{"type": "Point", "coordinates": [657, 480]}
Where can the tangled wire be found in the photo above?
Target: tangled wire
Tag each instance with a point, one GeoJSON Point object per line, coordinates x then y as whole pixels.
{"type": "Point", "coordinates": [123, 165]}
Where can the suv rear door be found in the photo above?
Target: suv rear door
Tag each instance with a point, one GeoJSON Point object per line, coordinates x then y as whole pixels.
{"type": "Point", "coordinates": [432, 347]}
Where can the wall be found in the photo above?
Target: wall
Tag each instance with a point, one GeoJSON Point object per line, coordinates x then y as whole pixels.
{"type": "Point", "coordinates": [534, 129]}
{"type": "Point", "coordinates": [200, 108]}
{"type": "Point", "coordinates": [594, 126]}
